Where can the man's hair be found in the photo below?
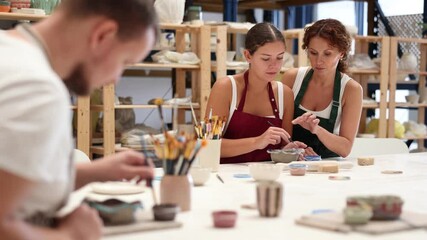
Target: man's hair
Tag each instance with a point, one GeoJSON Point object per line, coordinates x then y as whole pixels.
{"type": "Point", "coordinates": [132, 16]}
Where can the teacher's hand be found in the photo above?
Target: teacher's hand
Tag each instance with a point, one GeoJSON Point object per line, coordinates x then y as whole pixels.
{"type": "Point", "coordinates": [308, 121]}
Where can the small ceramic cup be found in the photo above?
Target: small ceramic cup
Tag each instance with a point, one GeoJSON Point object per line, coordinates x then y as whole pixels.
{"type": "Point", "coordinates": [224, 219]}
{"type": "Point", "coordinates": [165, 212]}
{"type": "Point", "coordinates": [297, 169]}
{"type": "Point", "coordinates": [177, 190]}
{"type": "Point", "coordinates": [200, 175]}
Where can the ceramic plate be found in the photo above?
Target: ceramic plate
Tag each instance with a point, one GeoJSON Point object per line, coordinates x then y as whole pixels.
{"type": "Point", "coordinates": [117, 188]}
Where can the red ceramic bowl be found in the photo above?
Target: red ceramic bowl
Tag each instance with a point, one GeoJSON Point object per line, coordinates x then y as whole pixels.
{"type": "Point", "coordinates": [224, 219]}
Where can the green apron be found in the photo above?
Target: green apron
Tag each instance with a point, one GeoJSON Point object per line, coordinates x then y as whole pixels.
{"type": "Point", "coordinates": [305, 136]}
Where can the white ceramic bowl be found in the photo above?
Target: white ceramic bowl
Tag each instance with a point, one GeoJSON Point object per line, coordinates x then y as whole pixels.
{"type": "Point", "coordinates": [265, 171]}
{"type": "Point", "coordinates": [413, 98]}
{"type": "Point", "coordinates": [230, 55]}
{"type": "Point", "coordinates": [200, 175]}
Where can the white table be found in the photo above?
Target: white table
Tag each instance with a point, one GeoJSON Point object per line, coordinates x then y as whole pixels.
{"type": "Point", "coordinates": [302, 195]}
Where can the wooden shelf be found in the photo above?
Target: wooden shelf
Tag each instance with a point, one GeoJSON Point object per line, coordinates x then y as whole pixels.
{"type": "Point", "coordinates": [363, 71]}
{"type": "Point", "coordinates": [143, 106]}
{"type": "Point", "coordinates": [158, 66]}
{"type": "Point", "coordinates": [421, 73]}
{"type": "Point", "coordinates": [19, 16]}
{"type": "Point", "coordinates": [414, 138]}
{"type": "Point", "coordinates": [421, 45]}
{"type": "Point", "coordinates": [410, 105]}
{"type": "Point", "coordinates": [370, 105]}
{"type": "Point", "coordinates": [72, 107]}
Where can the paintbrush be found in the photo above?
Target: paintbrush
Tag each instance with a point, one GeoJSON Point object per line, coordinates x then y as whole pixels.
{"type": "Point", "coordinates": [290, 139]}
{"type": "Point", "coordinates": [148, 162]}
{"type": "Point", "coordinates": [159, 102]}
{"type": "Point", "coordinates": [194, 114]}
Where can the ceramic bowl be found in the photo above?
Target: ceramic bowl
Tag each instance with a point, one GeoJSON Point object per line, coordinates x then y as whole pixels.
{"type": "Point", "coordinates": [116, 212]}
{"type": "Point", "coordinates": [285, 155]}
{"type": "Point", "coordinates": [265, 171]}
{"type": "Point", "coordinates": [357, 215]}
{"type": "Point", "coordinates": [200, 175]}
{"type": "Point", "coordinates": [230, 55]}
{"type": "Point", "coordinates": [384, 207]}
{"type": "Point", "coordinates": [413, 98]}
{"type": "Point", "coordinates": [165, 212]}
{"type": "Point", "coordinates": [224, 219]}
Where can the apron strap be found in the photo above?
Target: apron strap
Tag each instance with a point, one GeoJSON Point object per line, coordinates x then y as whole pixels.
{"type": "Point", "coordinates": [270, 94]}
{"type": "Point", "coordinates": [303, 88]}
{"type": "Point", "coordinates": [272, 101]}
{"type": "Point", "coordinates": [335, 99]}
{"type": "Point", "coordinates": [243, 98]}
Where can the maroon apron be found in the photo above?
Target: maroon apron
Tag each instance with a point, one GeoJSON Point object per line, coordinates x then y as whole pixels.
{"type": "Point", "coordinates": [245, 125]}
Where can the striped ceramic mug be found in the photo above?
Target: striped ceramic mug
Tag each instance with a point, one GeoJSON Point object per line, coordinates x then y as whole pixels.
{"type": "Point", "coordinates": [269, 198]}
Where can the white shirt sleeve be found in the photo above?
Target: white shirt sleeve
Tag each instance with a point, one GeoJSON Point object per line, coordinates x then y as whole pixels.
{"type": "Point", "coordinates": [32, 118]}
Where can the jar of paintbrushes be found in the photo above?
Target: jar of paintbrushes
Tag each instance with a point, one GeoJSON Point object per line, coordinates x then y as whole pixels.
{"type": "Point", "coordinates": [178, 154]}
{"type": "Point", "coordinates": [210, 130]}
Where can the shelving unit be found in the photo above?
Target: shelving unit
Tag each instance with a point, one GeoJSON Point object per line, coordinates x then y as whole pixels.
{"type": "Point", "coordinates": [298, 34]}
{"type": "Point", "coordinates": [200, 80]}
{"type": "Point", "coordinates": [224, 33]}
{"type": "Point", "coordinates": [81, 109]}
{"type": "Point", "coordinates": [361, 75]}
{"type": "Point", "coordinates": [421, 74]}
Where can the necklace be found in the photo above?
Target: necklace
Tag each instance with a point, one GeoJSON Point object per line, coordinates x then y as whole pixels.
{"type": "Point", "coordinates": [29, 32]}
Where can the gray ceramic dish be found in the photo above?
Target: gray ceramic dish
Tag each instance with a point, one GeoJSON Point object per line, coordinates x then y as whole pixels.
{"type": "Point", "coordinates": [116, 212]}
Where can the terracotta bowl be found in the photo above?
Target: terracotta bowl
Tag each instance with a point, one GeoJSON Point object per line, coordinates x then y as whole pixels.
{"type": "Point", "coordinates": [224, 219]}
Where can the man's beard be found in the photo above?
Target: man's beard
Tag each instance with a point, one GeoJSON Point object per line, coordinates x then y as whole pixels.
{"type": "Point", "coordinates": [77, 83]}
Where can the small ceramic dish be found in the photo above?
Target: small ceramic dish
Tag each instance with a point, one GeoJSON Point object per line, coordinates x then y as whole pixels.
{"type": "Point", "coordinates": [312, 158]}
{"type": "Point", "coordinates": [413, 98]}
{"type": "Point", "coordinates": [297, 169]}
{"type": "Point", "coordinates": [116, 212]}
{"type": "Point", "coordinates": [384, 207]}
{"type": "Point", "coordinates": [4, 6]}
{"type": "Point", "coordinates": [117, 188]}
{"type": "Point", "coordinates": [357, 215]}
{"type": "Point", "coordinates": [200, 175]}
{"type": "Point", "coordinates": [165, 212]}
{"type": "Point", "coordinates": [265, 171]}
{"type": "Point", "coordinates": [285, 155]}
{"type": "Point", "coordinates": [224, 219]}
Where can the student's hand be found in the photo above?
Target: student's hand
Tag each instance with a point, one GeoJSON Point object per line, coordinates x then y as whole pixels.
{"type": "Point", "coordinates": [82, 224]}
{"type": "Point", "coordinates": [273, 135]}
{"type": "Point", "coordinates": [308, 121]}
{"type": "Point", "coordinates": [126, 165]}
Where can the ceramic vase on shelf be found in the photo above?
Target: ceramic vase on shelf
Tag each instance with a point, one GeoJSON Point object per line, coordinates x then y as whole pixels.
{"type": "Point", "coordinates": [176, 189]}
{"type": "Point", "coordinates": [47, 5]}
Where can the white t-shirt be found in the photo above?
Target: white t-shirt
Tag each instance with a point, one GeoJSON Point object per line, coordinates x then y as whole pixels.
{"type": "Point", "coordinates": [325, 113]}
{"type": "Point", "coordinates": [35, 126]}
